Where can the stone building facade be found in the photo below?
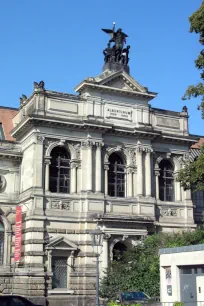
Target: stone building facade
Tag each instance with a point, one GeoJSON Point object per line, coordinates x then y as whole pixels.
{"type": "Point", "coordinates": [101, 157]}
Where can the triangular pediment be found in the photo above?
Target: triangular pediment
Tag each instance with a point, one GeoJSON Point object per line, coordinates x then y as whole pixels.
{"type": "Point", "coordinates": [62, 243]}
{"type": "Point", "coordinates": [120, 80]}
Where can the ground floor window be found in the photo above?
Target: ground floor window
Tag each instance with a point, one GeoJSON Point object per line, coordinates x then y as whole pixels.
{"type": "Point", "coordinates": [59, 269]}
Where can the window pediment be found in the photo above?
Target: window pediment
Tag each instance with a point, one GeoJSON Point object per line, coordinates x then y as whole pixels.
{"type": "Point", "coordinates": [62, 243]}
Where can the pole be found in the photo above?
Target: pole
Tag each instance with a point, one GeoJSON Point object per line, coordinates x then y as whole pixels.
{"type": "Point", "coordinates": [97, 280]}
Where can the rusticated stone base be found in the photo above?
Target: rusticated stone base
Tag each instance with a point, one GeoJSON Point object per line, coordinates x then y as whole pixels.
{"type": "Point", "coordinates": [71, 300]}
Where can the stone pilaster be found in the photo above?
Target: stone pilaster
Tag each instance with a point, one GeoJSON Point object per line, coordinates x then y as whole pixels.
{"type": "Point", "coordinates": [148, 174]}
{"type": "Point", "coordinates": [177, 188]}
{"type": "Point", "coordinates": [157, 173]}
{"type": "Point", "coordinates": [47, 163]}
{"type": "Point", "coordinates": [106, 168]}
{"type": "Point", "coordinates": [139, 151]}
{"type": "Point", "coordinates": [98, 167]}
{"type": "Point", "coordinates": [74, 166]}
{"type": "Point", "coordinates": [105, 254]}
{"type": "Point", "coordinates": [130, 182]}
{"type": "Point", "coordinates": [88, 145]}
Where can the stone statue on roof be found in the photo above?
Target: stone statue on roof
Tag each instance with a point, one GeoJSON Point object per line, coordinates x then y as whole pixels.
{"type": "Point", "coordinates": [117, 53]}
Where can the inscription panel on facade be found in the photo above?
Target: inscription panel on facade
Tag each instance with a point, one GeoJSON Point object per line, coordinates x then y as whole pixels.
{"type": "Point", "coordinates": [168, 122]}
{"type": "Point", "coordinates": [62, 106]}
{"type": "Point", "coordinates": [121, 113]}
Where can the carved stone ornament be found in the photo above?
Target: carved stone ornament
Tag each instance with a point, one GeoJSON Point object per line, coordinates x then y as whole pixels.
{"type": "Point", "coordinates": [2, 183]}
{"type": "Point", "coordinates": [169, 212]}
{"type": "Point", "coordinates": [60, 205]}
{"type": "Point", "coordinates": [88, 144]}
{"type": "Point", "coordinates": [132, 153]}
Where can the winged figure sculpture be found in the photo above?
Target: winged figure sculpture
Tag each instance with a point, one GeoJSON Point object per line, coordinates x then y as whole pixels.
{"type": "Point", "coordinates": [118, 37]}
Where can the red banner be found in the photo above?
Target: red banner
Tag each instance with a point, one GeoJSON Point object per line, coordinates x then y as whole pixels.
{"type": "Point", "coordinates": [18, 234]}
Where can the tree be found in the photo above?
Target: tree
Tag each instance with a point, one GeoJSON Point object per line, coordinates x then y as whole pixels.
{"type": "Point", "coordinates": [192, 176]}
{"type": "Point", "coordinates": [197, 26]}
{"type": "Point", "coordinates": [138, 269]}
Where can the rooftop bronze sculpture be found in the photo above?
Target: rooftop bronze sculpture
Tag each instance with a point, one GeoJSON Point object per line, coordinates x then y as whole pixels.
{"type": "Point", "coordinates": [117, 53]}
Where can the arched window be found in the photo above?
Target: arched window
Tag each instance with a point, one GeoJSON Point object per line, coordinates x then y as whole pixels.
{"type": "Point", "coordinates": [118, 250]}
{"type": "Point", "coordinates": [166, 181]}
{"type": "Point", "coordinates": [1, 243]}
{"type": "Point", "coordinates": [116, 176]}
{"type": "Point", "coordinates": [60, 170]}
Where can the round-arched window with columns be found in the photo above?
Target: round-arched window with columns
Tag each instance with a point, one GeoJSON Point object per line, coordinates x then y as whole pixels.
{"type": "Point", "coordinates": [60, 168]}
{"type": "Point", "coordinates": [116, 176]}
{"type": "Point", "coordinates": [166, 181]}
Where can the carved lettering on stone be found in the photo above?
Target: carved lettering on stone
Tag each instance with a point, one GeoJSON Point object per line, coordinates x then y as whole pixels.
{"type": "Point", "coordinates": [118, 113]}
{"type": "Point", "coordinates": [60, 205]}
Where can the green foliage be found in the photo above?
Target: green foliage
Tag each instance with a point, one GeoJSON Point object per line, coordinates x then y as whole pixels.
{"type": "Point", "coordinates": [178, 304]}
{"type": "Point", "coordinates": [192, 176]}
{"type": "Point", "coordinates": [138, 269]}
{"type": "Point", "coordinates": [197, 26]}
{"type": "Point", "coordinates": [112, 303]}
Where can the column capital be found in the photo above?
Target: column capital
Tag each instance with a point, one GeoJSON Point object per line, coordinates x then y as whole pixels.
{"type": "Point", "coordinates": [106, 166]}
{"type": "Point", "coordinates": [106, 237]}
{"type": "Point", "coordinates": [139, 149]}
{"type": "Point", "coordinates": [130, 170]}
{"type": "Point", "coordinates": [47, 160]}
{"type": "Point", "coordinates": [148, 150]}
{"type": "Point", "coordinates": [99, 144]}
{"type": "Point", "coordinates": [40, 139]}
{"type": "Point", "coordinates": [87, 144]}
{"type": "Point", "coordinates": [74, 164]}
{"type": "Point", "coordinates": [157, 171]}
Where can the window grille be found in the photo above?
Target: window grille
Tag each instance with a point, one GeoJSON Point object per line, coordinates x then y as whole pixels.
{"type": "Point", "coordinates": [60, 171]}
{"type": "Point", "coordinates": [1, 244]}
{"type": "Point", "coordinates": [166, 181]}
{"type": "Point", "coordinates": [116, 176]}
{"type": "Point", "coordinates": [59, 269]}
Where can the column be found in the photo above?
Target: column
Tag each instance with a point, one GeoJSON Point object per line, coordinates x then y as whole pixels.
{"type": "Point", "coordinates": [178, 188]}
{"type": "Point", "coordinates": [49, 255]}
{"type": "Point", "coordinates": [187, 194]}
{"type": "Point", "coordinates": [47, 174]}
{"type": "Point", "coordinates": [139, 172]}
{"type": "Point", "coordinates": [106, 168]}
{"type": "Point", "coordinates": [73, 178]}
{"type": "Point", "coordinates": [98, 167]}
{"type": "Point", "coordinates": [157, 183]}
{"type": "Point", "coordinates": [130, 184]}
{"type": "Point", "coordinates": [89, 165]}
{"type": "Point", "coordinates": [105, 254]}
{"type": "Point", "coordinates": [148, 173]}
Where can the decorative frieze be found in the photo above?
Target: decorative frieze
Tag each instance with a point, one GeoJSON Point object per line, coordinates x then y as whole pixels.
{"type": "Point", "coordinates": [170, 212]}
{"type": "Point", "coordinates": [60, 205]}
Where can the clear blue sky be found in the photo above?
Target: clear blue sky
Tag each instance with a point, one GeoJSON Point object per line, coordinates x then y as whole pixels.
{"type": "Point", "coordinates": [61, 42]}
